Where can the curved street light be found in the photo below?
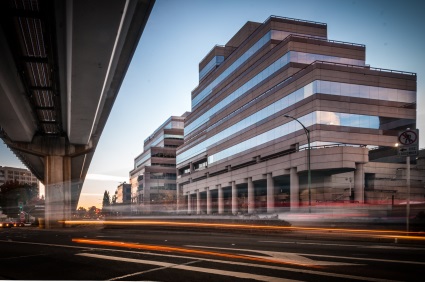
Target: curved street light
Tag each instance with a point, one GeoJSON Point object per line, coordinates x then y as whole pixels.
{"type": "Point", "coordinates": [307, 132]}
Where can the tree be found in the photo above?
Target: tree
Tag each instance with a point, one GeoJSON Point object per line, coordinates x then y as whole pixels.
{"type": "Point", "coordinates": [106, 202]}
{"type": "Point", "coordinates": [81, 212]}
{"type": "Point", "coordinates": [92, 211]}
{"type": "Point", "coordinates": [13, 192]}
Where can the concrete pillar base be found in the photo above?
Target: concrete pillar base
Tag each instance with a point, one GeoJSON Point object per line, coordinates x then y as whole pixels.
{"type": "Point", "coordinates": [270, 193]}
{"type": "Point", "coordinates": [359, 183]}
{"type": "Point", "coordinates": [57, 190]}
{"type": "Point", "coordinates": [208, 201]}
{"type": "Point", "coordinates": [220, 200]}
{"type": "Point", "coordinates": [251, 202]}
{"type": "Point", "coordinates": [198, 202]}
{"type": "Point", "coordinates": [234, 198]}
{"type": "Point", "coordinates": [294, 190]}
{"type": "Point", "coordinates": [189, 204]}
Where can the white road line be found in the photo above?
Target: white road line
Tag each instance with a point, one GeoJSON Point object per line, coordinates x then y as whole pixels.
{"type": "Point", "coordinates": [329, 274]}
{"type": "Point", "coordinates": [284, 257]}
{"type": "Point", "coordinates": [304, 243]}
{"type": "Point", "coordinates": [323, 256]}
{"type": "Point", "coordinates": [192, 268]}
{"type": "Point", "coordinates": [393, 248]}
{"type": "Point", "coordinates": [367, 259]}
{"type": "Point", "coordinates": [45, 244]}
{"type": "Point", "coordinates": [147, 271]}
{"type": "Point", "coordinates": [342, 245]}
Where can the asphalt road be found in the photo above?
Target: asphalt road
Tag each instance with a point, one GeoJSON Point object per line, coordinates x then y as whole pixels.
{"type": "Point", "coordinates": [144, 254]}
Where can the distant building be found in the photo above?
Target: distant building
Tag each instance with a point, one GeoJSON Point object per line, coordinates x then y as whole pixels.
{"type": "Point", "coordinates": [153, 179]}
{"type": "Point", "coordinates": [123, 193]}
{"type": "Point", "coordinates": [245, 141]}
{"type": "Point", "coordinates": [20, 175]}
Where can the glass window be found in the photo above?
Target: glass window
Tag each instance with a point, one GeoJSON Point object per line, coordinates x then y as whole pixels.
{"type": "Point", "coordinates": [383, 94]}
{"type": "Point", "coordinates": [215, 61]}
{"type": "Point", "coordinates": [335, 88]}
{"type": "Point", "coordinates": [323, 117]}
{"type": "Point", "coordinates": [374, 92]}
{"type": "Point", "coordinates": [244, 57]}
{"type": "Point", "coordinates": [292, 56]}
{"type": "Point", "coordinates": [329, 118]}
{"type": "Point", "coordinates": [364, 91]}
{"type": "Point", "coordinates": [308, 90]}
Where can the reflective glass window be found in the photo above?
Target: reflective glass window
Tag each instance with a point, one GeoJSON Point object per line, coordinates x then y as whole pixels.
{"type": "Point", "coordinates": [320, 117]}
{"type": "Point", "coordinates": [323, 117]}
{"type": "Point", "coordinates": [245, 56]}
{"type": "Point", "coordinates": [291, 56]}
{"type": "Point", "coordinates": [215, 61]}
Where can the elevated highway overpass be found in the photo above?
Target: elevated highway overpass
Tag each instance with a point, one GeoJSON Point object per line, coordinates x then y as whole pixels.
{"type": "Point", "coordinates": [61, 67]}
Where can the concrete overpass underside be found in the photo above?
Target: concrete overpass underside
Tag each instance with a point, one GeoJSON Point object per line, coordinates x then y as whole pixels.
{"type": "Point", "coordinates": [61, 67]}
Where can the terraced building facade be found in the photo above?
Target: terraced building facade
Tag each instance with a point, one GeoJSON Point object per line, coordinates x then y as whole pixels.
{"type": "Point", "coordinates": [153, 178]}
{"type": "Point", "coordinates": [245, 149]}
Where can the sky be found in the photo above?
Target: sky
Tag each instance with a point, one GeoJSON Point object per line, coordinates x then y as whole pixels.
{"type": "Point", "coordinates": [179, 34]}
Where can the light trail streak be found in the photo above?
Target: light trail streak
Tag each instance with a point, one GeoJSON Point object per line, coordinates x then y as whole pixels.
{"type": "Point", "coordinates": [182, 250]}
{"type": "Point", "coordinates": [358, 232]}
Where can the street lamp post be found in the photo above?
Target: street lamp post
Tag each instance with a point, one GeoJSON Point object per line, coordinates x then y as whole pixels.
{"type": "Point", "coordinates": [307, 132]}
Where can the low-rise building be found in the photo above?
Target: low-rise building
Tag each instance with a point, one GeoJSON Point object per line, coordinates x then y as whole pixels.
{"type": "Point", "coordinates": [21, 175]}
{"type": "Point", "coordinates": [123, 193]}
{"type": "Point", "coordinates": [153, 178]}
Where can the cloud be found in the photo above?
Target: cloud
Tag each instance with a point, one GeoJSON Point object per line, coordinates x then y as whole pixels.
{"type": "Point", "coordinates": [103, 177]}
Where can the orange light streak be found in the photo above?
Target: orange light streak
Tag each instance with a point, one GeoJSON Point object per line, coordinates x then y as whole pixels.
{"type": "Point", "coordinates": [181, 250]}
{"type": "Point", "coordinates": [366, 232]}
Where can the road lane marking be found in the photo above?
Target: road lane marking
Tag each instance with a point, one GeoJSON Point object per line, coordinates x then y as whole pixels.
{"type": "Point", "coordinates": [297, 270]}
{"type": "Point", "coordinates": [293, 258]}
{"type": "Point", "coordinates": [158, 248]}
{"type": "Point", "coordinates": [147, 271]}
{"type": "Point", "coordinates": [344, 245]}
{"type": "Point", "coordinates": [192, 268]}
{"type": "Point", "coordinates": [339, 257]}
{"type": "Point", "coordinates": [45, 244]}
{"type": "Point", "coordinates": [393, 248]}
{"type": "Point", "coordinates": [367, 259]}
{"type": "Point", "coordinates": [304, 243]}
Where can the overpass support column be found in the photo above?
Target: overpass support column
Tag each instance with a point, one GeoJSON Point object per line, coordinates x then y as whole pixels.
{"type": "Point", "coordinates": [198, 202]}
{"type": "Point", "coordinates": [270, 193]}
{"type": "Point", "coordinates": [56, 153]}
{"type": "Point", "coordinates": [359, 183]}
{"type": "Point", "coordinates": [251, 203]}
{"type": "Point", "coordinates": [58, 190]}
{"type": "Point", "coordinates": [220, 199]}
{"type": "Point", "coordinates": [234, 198]}
{"type": "Point", "coordinates": [208, 200]}
{"type": "Point", "coordinates": [294, 189]}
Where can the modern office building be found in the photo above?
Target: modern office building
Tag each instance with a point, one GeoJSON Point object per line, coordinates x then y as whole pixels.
{"type": "Point", "coordinates": [153, 179]}
{"type": "Point", "coordinates": [266, 95]}
{"type": "Point", "coordinates": [17, 174]}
